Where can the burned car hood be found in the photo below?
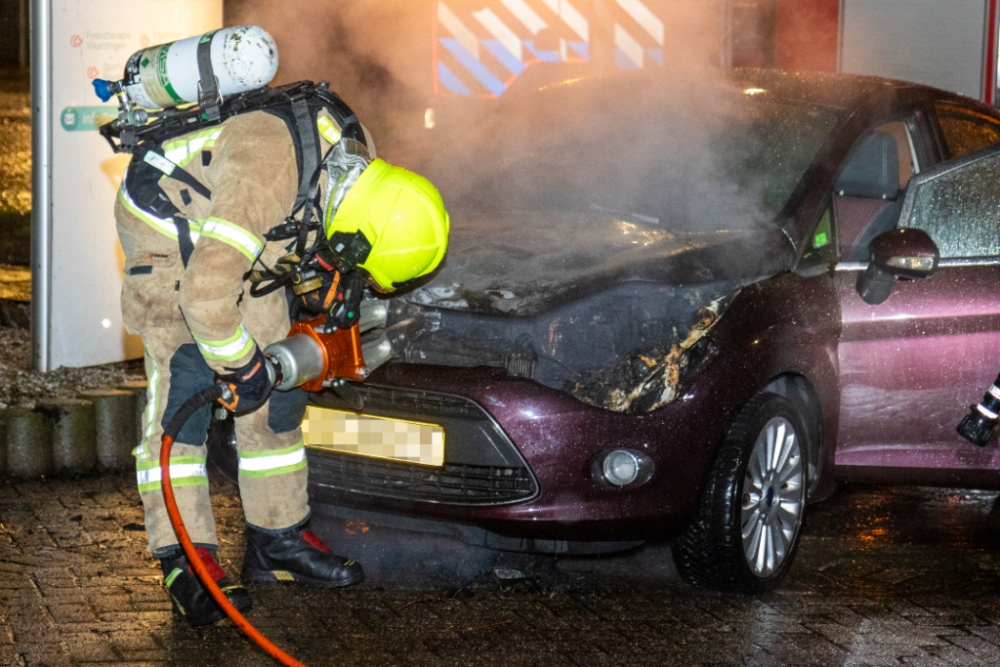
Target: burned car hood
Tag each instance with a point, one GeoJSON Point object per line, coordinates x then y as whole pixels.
{"type": "Point", "coordinates": [604, 306]}
{"type": "Point", "coordinates": [594, 243]}
{"type": "Point", "coordinates": [524, 264]}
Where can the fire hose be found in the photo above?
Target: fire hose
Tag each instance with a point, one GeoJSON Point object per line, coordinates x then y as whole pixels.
{"type": "Point", "coordinates": [205, 397]}
{"type": "Point", "coordinates": [314, 356]}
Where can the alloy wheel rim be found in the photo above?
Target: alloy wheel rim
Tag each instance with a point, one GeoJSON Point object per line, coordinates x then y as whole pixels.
{"type": "Point", "coordinates": [773, 497]}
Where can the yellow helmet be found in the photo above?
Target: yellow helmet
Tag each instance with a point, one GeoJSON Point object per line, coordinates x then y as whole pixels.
{"type": "Point", "coordinates": [392, 223]}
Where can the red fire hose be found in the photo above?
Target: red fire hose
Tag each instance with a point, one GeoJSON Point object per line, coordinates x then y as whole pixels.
{"type": "Point", "coordinates": [201, 399]}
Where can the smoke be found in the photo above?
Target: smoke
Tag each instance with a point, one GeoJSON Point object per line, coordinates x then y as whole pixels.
{"type": "Point", "coordinates": [375, 54]}
{"type": "Point", "coordinates": [657, 145]}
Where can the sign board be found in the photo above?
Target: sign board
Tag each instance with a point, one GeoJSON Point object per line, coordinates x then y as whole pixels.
{"type": "Point", "coordinates": [76, 258]}
{"type": "Point", "coordinates": [481, 47]}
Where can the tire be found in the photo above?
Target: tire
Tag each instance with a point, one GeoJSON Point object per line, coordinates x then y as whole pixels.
{"type": "Point", "coordinates": [744, 536]}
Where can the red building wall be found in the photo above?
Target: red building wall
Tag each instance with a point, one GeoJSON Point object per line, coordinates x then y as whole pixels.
{"type": "Point", "coordinates": [805, 34]}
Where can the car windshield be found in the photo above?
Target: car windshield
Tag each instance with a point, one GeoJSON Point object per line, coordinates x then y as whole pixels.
{"type": "Point", "coordinates": [717, 159]}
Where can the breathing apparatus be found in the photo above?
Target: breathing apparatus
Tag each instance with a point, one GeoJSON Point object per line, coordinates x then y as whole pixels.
{"type": "Point", "coordinates": [382, 220]}
{"type": "Point", "coordinates": [201, 69]}
{"type": "Point", "coordinates": [173, 89]}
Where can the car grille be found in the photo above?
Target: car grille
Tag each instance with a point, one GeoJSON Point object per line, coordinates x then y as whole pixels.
{"type": "Point", "coordinates": [481, 467]}
{"type": "Point", "coordinates": [454, 484]}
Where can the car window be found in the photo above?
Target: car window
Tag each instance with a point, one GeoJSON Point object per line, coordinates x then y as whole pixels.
{"type": "Point", "coordinates": [959, 206]}
{"type": "Point", "coordinates": [966, 131]}
{"type": "Point", "coordinates": [822, 248]}
{"type": "Point", "coordinates": [908, 166]}
{"type": "Point", "coordinates": [868, 194]}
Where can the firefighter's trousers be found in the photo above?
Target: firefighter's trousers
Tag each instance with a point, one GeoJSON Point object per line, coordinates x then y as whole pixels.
{"type": "Point", "coordinates": [272, 462]}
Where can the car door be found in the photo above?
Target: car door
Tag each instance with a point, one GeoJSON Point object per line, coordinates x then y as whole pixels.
{"type": "Point", "coordinates": [911, 367]}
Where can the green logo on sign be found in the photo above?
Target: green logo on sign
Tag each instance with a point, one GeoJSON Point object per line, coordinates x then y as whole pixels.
{"type": "Point", "coordinates": [86, 119]}
{"type": "Point", "coordinates": [69, 118]}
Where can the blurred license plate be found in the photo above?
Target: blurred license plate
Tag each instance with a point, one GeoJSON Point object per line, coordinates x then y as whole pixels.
{"type": "Point", "coordinates": [381, 437]}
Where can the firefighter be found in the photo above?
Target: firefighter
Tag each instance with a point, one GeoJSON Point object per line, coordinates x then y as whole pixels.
{"type": "Point", "coordinates": [187, 295]}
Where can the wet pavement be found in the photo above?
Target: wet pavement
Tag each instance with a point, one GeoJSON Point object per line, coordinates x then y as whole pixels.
{"type": "Point", "coordinates": [883, 577]}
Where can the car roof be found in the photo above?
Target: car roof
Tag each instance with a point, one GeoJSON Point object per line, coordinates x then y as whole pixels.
{"type": "Point", "coordinates": [837, 92]}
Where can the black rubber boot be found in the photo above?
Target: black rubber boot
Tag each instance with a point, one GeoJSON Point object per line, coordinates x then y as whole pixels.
{"type": "Point", "coordinates": [298, 556]}
{"type": "Point", "coordinates": [192, 600]}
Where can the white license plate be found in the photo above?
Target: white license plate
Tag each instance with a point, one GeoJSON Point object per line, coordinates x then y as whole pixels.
{"type": "Point", "coordinates": [380, 437]}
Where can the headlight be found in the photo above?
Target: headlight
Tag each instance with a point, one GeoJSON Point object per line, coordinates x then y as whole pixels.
{"type": "Point", "coordinates": [623, 467]}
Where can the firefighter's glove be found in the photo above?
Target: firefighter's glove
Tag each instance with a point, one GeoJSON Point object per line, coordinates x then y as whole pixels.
{"type": "Point", "coordinates": [250, 385]}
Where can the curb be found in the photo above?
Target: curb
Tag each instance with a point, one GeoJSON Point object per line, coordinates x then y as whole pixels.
{"type": "Point", "coordinates": [29, 443]}
{"type": "Point", "coordinates": [68, 437]}
{"type": "Point", "coordinates": [116, 429]}
{"type": "Point", "coordinates": [74, 435]}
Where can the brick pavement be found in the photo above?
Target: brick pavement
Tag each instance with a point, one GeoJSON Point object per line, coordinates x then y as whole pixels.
{"type": "Point", "coordinates": [883, 577]}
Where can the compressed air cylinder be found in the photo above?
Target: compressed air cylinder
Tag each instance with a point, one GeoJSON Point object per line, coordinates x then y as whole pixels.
{"type": "Point", "coordinates": [167, 75]}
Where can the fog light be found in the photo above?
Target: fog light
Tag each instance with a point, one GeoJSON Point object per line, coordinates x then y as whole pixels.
{"type": "Point", "coordinates": [623, 467]}
{"type": "Point", "coordinates": [620, 467]}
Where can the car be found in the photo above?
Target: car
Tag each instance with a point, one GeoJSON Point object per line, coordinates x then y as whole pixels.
{"type": "Point", "coordinates": [683, 312]}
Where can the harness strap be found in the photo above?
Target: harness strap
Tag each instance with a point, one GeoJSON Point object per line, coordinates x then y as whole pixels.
{"type": "Point", "coordinates": [308, 140]}
{"type": "Point", "coordinates": [172, 170]}
{"type": "Point", "coordinates": [184, 242]}
{"type": "Point", "coordinates": [209, 98]}
{"type": "Point", "coordinates": [187, 179]}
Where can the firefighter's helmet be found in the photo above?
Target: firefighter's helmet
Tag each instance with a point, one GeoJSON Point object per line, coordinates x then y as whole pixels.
{"type": "Point", "coordinates": [392, 224]}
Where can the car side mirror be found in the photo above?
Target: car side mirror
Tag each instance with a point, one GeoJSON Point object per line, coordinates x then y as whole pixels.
{"type": "Point", "coordinates": [902, 253]}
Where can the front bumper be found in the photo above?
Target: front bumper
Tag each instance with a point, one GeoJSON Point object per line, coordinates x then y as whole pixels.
{"type": "Point", "coordinates": [482, 466]}
{"type": "Point", "coordinates": [519, 456]}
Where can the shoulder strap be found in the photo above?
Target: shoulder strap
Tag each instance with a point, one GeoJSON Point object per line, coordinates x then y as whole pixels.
{"type": "Point", "coordinates": [142, 184]}
{"type": "Point", "coordinates": [170, 169]}
{"type": "Point", "coordinates": [308, 143]}
{"type": "Point", "coordinates": [298, 104]}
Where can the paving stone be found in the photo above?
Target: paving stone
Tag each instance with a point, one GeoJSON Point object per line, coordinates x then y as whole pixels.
{"type": "Point", "coordinates": [75, 586]}
{"type": "Point", "coordinates": [51, 654]}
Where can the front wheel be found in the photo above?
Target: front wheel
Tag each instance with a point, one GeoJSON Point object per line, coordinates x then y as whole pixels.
{"type": "Point", "coordinates": [750, 517]}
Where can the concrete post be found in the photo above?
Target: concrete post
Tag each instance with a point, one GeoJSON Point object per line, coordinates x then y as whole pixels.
{"type": "Point", "coordinates": [74, 434]}
{"type": "Point", "coordinates": [116, 437]}
{"type": "Point", "coordinates": [29, 443]}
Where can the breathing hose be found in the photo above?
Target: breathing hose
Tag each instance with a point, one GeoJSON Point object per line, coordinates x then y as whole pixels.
{"type": "Point", "coordinates": [205, 397]}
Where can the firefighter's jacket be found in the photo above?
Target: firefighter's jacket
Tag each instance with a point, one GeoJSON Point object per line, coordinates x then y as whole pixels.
{"type": "Point", "coordinates": [249, 165]}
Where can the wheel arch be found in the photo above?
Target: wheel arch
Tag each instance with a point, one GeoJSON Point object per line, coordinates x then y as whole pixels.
{"type": "Point", "coordinates": [798, 391]}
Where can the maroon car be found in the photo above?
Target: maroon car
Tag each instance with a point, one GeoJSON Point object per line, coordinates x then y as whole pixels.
{"type": "Point", "coordinates": [683, 312]}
